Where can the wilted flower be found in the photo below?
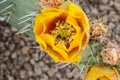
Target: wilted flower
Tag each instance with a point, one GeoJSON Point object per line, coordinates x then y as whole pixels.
{"type": "Point", "coordinates": [50, 3]}
{"type": "Point", "coordinates": [98, 30]}
{"type": "Point", "coordinates": [63, 33]}
{"type": "Point", "coordinates": [99, 72]}
{"type": "Point", "coordinates": [111, 54]}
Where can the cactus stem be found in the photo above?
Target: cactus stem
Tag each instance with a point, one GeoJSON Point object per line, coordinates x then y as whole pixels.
{"type": "Point", "coordinates": [8, 17]}
{"type": "Point", "coordinates": [9, 14]}
{"type": "Point", "coordinates": [37, 3]}
{"type": "Point", "coordinates": [89, 60]}
{"type": "Point", "coordinates": [31, 14]}
{"type": "Point", "coordinates": [11, 5]}
{"type": "Point", "coordinates": [25, 27]}
{"type": "Point", "coordinates": [91, 52]}
{"type": "Point", "coordinates": [32, 23]}
{"type": "Point", "coordinates": [2, 1]}
{"type": "Point", "coordinates": [82, 69]}
{"type": "Point", "coordinates": [24, 20]}
{"type": "Point", "coordinates": [26, 30]}
{"type": "Point", "coordinates": [97, 59]}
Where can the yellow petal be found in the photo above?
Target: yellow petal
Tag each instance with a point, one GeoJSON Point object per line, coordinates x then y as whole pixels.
{"type": "Point", "coordinates": [83, 22]}
{"type": "Point", "coordinates": [44, 21]}
{"type": "Point", "coordinates": [38, 28]}
{"type": "Point", "coordinates": [84, 26]}
{"type": "Point", "coordinates": [74, 55]}
{"type": "Point", "coordinates": [49, 21]}
{"type": "Point", "coordinates": [77, 39]}
{"type": "Point", "coordinates": [76, 59]}
{"type": "Point", "coordinates": [77, 12]}
{"type": "Point", "coordinates": [72, 9]}
{"type": "Point", "coordinates": [47, 10]}
{"type": "Point", "coordinates": [85, 40]}
{"type": "Point", "coordinates": [71, 20]}
{"type": "Point", "coordinates": [104, 78]}
{"type": "Point", "coordinates": [55, 56]}
{"type": "Point", "coordinates": [41, 42]}
{"type": "Point", "coordinates": [50, 41]}
{"type": "Point", "coordinates": [61, 46]}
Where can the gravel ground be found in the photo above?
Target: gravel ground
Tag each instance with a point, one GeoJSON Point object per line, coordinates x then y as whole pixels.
{"type": "Point", "coordinates": [19, 60]}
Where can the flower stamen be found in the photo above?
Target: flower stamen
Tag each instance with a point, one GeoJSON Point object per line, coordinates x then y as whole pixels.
{"type": "Point", "coordinates": [63, 33]}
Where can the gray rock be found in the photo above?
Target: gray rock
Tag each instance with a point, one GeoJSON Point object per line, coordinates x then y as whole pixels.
{"type": "Point", "coordinates": [14, 55]}
{"type": "Point", "coordinates": [7, 53]}
{"type": "Point", "coordinates": [12, 46]}
{"type": "Point", "coordinates": [25, 50]}
{"type": "Point", "coordinates": [27, 66]}
{"type": "Point", "coordinates": [23, 74]}
{"type": "Point", "coordinates": [2, 67]}
{"type": "Point", "coordinates": [10, 77]}
{"type": "Point", "coordinates": [117, 6]}
{"type": "Point", "coordinates": [95, 11]}
{"type": "Point", "coordinates": [37, 69]}
{"type": "Point", "coordinates": [51, 72]}
{"type": "Point", "coordinates": [35, 56]}
{"type": "Point", "coordinates": [104, 1]}
{"type": "Point", "coordinates": [104, 7]}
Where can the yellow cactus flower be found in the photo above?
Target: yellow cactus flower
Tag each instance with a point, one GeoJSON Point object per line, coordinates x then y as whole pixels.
{"type": "Point", "coordinates": [63, 33]}
{"type": "Point", "coordinates": [99, 72]}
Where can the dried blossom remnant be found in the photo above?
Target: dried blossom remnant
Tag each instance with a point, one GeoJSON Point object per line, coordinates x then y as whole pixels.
{"type": "Point", "coordinates": [111, 55]}
{"type": "Point", "coordinates": [50, 3]}
{"type": "Point", "coordinates": [98, 30]}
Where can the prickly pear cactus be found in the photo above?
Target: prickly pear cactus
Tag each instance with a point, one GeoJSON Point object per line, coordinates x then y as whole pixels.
{"type": "Point", "coordinates": [20, 14]}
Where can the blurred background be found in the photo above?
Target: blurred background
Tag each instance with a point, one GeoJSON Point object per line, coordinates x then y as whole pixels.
{"type": "Point", "coordinates": [21, 58]}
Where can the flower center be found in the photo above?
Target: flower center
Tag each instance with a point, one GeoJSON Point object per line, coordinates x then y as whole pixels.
{"type": "Point", "coordinates": [63, 33]}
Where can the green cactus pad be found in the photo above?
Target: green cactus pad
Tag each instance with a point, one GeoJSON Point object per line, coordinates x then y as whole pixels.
{"type": "Point", "coordinates": [20, 13]}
